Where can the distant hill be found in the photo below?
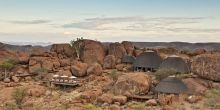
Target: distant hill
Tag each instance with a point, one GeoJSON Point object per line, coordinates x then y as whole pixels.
{"type": "Point", "coordinates": [23, 48]}
{"type": "Point", "coordinates": [179, 45]}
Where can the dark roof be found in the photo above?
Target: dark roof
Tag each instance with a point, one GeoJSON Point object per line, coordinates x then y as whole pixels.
{"type": "Point", "coordinates": [128, 59]}
{"type": "Point", "coordinates": [176, 63]}
{"type": "Point", "coordinates": [149, 59]}
{"type": "Point", "coordinates": [171, 85]}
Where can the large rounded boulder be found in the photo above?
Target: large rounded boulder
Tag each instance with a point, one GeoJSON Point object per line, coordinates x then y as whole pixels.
{"type": "Point", "coordinates": [79, 69]}
{"type": "Point", "coordinates": [92, 52]}
{"type": "Point", "coordinates": [118, 50]}
{"type": "Point", "coordinates": [207, 66]}
{"type": "Point", "coordinates": [132, 83]}
{"type": "Point", "coordinates": [129, 47]}
{"type": "Point", "coordinates": [64, 50]}
{"type": "Point", "coordinates": [109, 62]}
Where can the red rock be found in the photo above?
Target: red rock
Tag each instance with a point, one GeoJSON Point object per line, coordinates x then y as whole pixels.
{"type": "Point", "coordinates": [105, 98]}
{"type": "Point", "coordinates": [109, 62]}
{"type": "Point", "coordinates": [129, 47]}
{"type": "Point", "coordinates": [92, 52]}
{"type": "Point", "coordinates": [117, 50]}
{"type": "Point", "coordinates": [207, 66]}
{"type": "Point", "coordinates": [193, 99]}
{"type": "Point", "coordinates": [91, 95]}
{"type": "Point", "coordinates": [79, 69]}
{"type": "Point", "coordinates": [15, 79]}
{"type": "Point", "coordinates": [63, 50]}
{"type": "Point", "coordinates": [134, 83]}
{"type": "Point", "coordinates": [114, 107]}
{"type": "Point", "coordinates": [121, 99]}
{"type": "Point", "coordinates": [194, 87]}
{"type": "Point", "coordinates": [120, 67]}
{"type": "Point", "coordinates": [151, 102]}
{"type": "Point", "coordinates": [95, 69]}
{"type": "Point", "coordinates": [36, 90]}
{"type": "Point", "coordinates": [137, 52]}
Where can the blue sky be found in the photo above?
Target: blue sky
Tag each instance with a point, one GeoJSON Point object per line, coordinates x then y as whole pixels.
{"type": "Point", "coordinates": [110, 20]}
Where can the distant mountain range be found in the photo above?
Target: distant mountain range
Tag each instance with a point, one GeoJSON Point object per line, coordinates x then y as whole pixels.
{"type": "Point", "coordinates": [27, 46]}
{"type": "Point", "coordinates": [179, 45]}
{"type": "Point", "coordinates": [23, 48]}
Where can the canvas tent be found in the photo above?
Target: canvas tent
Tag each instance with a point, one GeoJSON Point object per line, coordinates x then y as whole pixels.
{"type": "Point", "coordinates": [128, 59]}
{"type": "Point", "coordinates": [171, 85]}
{"type": "Point", "coordinates": [176, 63]}
{"type": "Point", "coordinates": [147, 61]}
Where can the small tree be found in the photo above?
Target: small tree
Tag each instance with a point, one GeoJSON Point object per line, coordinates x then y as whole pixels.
{"type": "Point", "coordinates": [77, 45]}
{"type": "Point", "coordinates": [8, 65]}
{"type": "Point", "coordinates": [18, 95]}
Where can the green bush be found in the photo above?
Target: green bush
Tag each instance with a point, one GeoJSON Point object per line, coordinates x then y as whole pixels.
{"type": "Point", "coordinates": [113, 75]}
{"type": "Point", "coordinates": [77, 45]}
{"type": "Point", "coordinates": [212, 97]}
{"type": "Point", "coordinates": [8, 65]}
{"type": "Point", "coordinates": [91, 107]}
{"type": "Point", "coordinates": [163, 73]}
{"type": "Point", "coordinates": [41, 73]}
{"type": "Point", "coordinates": [19, 94]}
{"type": "Point", "coordinates": [140, 106]}
{"type": "Point", "coordinates": [10, 106]}
{"type": "Point", "coordinates": [61, 107]}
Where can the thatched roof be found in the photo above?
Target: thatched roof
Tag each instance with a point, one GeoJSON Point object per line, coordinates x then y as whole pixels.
{"type": "Point", "coordinates": [148, 59]}
{"type": "Point", "coordinates": [176, 63]}
{"type": "Point", "coordinates": [128, 59]}
{"type": "Point", "coordinates": [171, 85]}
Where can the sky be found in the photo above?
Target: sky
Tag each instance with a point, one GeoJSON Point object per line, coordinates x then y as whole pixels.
{"type": "Point", "coordinates": [60, 21]}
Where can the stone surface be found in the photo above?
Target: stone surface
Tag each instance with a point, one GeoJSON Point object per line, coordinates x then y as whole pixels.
{"type": "Point", "coordinates": [120, 67]}
{"type": "Point", "coordinates": [194, 86]}
{"type": "Point", "coordinates": [151, 102]}
{"type": "Point", "coordinates": [207, 66]}
{"type": "Point", "coordinates": [92, 52]}
{"type": "Point", "coordinates": [63, 50]}
{"type": "Point", "coordinates": [129, 47]}
{"type": "Point", "coordinates": [121, 99]}
{"type": "Point", "coordinates": [109, 62]}
{"type": "Point", "coordinates": [64, 73]}
{"type": "Point", "coordinates": [114, 107]}
{"type": "Point", "coordinates": [36, 90]}
{"type": "Point", "coordinates": [7, 80]}
{"type": "Point", "coordinates": [137, 52]}
{"type": "Point", "coordinates": [91, 95]}
{"type": "Point", "coordinates": [105, 98]}
{"type": "Point", "coordinates": [95, 69]}
{"type": "Point", "coordinates": [193, 99]}
{"type": "Point", "coordinates": [117, 50]}
{"type": "Point", "coordinates": [15, 79]}
{"type": "Point", "coordinates": [79, 69]}
{"type": "Point", "coordinates": [165, 99]}
{"type": "Point", "coordinates": [134, 83]}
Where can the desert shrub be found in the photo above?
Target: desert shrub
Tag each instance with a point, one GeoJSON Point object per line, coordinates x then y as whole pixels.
{"type": "Point", "coordinates": [140, 106]}
{"type": "Point", "coordinates": [61, 107]}
{"type": "Point", "coordinates": [163, 73]}
{"type": "Point", "coordinates": [113, 75]}
{"type": "Point", "coordinates": [91, 107]}
{"type": "Point", "coordinates": [77, 45]}
{"type": "Point", "coordinates": [18, 95]}
{"type": "Point", "coordinates": [41, 72]}
{"type": "Point", "coordinates": [212, 97]}
{"type": "Point", "coordinates": [8, 65]}
{"type": "Point", "coordinates": [10, 106]}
